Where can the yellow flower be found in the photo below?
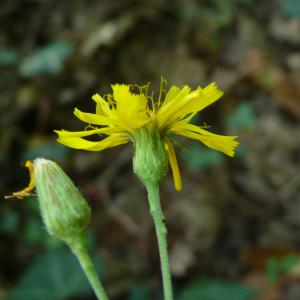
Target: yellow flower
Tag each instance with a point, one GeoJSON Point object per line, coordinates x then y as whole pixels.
{"type": "Point", "coordinates": [129, 108]}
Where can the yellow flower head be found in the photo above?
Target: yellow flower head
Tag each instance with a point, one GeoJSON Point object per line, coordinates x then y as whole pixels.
{"type": "Point", "coordinates": [120, 116]}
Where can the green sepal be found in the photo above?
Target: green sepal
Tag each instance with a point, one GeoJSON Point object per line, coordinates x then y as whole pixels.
{"type": "Point", "coordinates": [150, 162]}
{"type": "Point", "coordinates": [65, 212]}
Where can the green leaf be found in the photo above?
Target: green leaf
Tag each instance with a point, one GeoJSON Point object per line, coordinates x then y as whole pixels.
{"type": "Point", "coordinates": [34, 233]}
{"type": "Point", "coordinates": [140, 292]}
{"type": "Point", "coordinates": [243, 117]}
{"type": "Point", "coordinates": [49, 59]}
{"type": "Point", "coordinates": [245, 1]}
{"type": "Point", "coordinates": [215, 289]}
{"type": "Point", "coordinates": [51, 150]}
{"type": "Point", "coordinates": [8, 57]}
{"type": "Point", "coordinates": [199, 158]}
{"type": "Point", "coordinates": [291, 8]}
{"type": "Point", "coordinates": [278, 266]}
{"type": "Point", "coordinates": [55, 275]}
{"type": "Point", "coordinates": [9, 222]}
{"type": "Point", "coordinates": [221, 12]}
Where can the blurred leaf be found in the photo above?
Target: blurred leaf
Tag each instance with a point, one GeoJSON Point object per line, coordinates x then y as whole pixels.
{"type": "Point", "coordinates": [48, 59]}
{"type": "Point", "coordinates": [199, 158]}
{"type": "Point", "coordinates": [55, 275]}
{"type": "Point", "coordinates": [241, 150]}
{"type": "Point", "coordinates": [2, 294]}
{"type": "Point", "coordinates": [35, 233]}
{"type": "Point", "coordinates": [214, 289]}
{"type": "Point", "coordinates": [243, 117]}
{"type": "Point", "coordinates": [221, 12]}
{"type": "Point", "coordinates": [51, 150]}
{"type": "Point", "coordinates": [189, 10]}
{"type": "Point", "coordinates": [8, 57]}
{"type": "Point", "coordinates": [33, 204]}
{"type": "Point", "coordinates": [91, 238]}
{"type": "Point", "coordinates": [279, 266]}
{"type": "Point", "coordinates": [9, 222]}
{"type": "Point", "coordinates": [291, 8]}
{"type": "Point", "coordinates": [140, 292]}
{"type": "Point", "coordinates": [245, 1]}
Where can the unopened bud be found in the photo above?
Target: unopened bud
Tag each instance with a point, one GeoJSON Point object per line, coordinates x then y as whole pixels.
{"type": "Point", "coordinates": [65, 212]}
{"type": "Point", "coordinates": [150, 162]}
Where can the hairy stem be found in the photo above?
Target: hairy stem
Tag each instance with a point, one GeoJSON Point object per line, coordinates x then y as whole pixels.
{"type": "Point", "coordinates": [80, 250]}
{"type": "Point", "coordinates": [161, 233]}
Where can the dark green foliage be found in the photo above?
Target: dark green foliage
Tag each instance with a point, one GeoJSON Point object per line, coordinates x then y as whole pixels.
{"type": "Point", "coordinates": [54, 275]}
{"type": "Point", "coordinates": [8, 57]}
{"type": "Point", "coordinates": [277, 267]}
{"type": "Point", "coordinates": [46, 60]}
{"type": "Point", "coordinates": [214, 289]}
{"type": "Point", "coordinates": [50, 149]}
{"type": "Point", "coordinates": [198, 157]}
{"type": "Point", "coordinates": [140, 292]}
{"type": "Point", "coordinates": [291, 8]}
{"type": "Point", "coordinates": [243, 117]}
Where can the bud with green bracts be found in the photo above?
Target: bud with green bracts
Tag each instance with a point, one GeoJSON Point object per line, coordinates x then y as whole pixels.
{"type": "Point", "coordinates": [150, 162]}
{"type": "Point", "coordinates": [65, 212]}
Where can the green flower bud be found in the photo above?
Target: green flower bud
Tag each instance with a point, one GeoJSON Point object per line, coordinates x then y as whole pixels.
{"type": "Point", "coordinates": [150, 162]}
{"type": "Point", "coordinates": [65, 212]}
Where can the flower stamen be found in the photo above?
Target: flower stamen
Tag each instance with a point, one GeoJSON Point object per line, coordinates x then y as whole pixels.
{"type": "Point", "coordinates": [161, 91]}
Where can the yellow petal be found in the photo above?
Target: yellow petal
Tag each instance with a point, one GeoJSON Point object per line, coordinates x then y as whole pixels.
{"type": "Point", "coordinates": [121, 92]}
{"type": "Point", "coordinates": [174, 165]}
{"type": "Point", "coordinates": [102, 107]}
{"type": "Point", "coordinates": [188, 103]}
{"type": "Point", "coordinates": [223, 143]}
{"type": "Point", "coordinates": [167, 109]}
{"type": "Point", "coordinates": [131, 108]}
{"type": "Point", "coordinates": [92, 118]}
{"type": "Point", "coordinates": [122, 96]}
{"type": "Point", "coordinates": [201, 99]}
{"type": "Point", "coordinates": [26, 191]}
{"type": "Point", "coordinates": [80, 143]}
{"type": "Point", "coordinates": [171, 94]}
{"type": "Point", "coordinates": [105, 130]}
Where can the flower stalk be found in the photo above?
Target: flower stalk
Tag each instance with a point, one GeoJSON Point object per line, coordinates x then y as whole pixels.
{"type": "Point", "coordinates": [161, 233]}
{"type": "Point", "coordinates": [66, 214]}
{"type": "Point", "coordinates": [150, 164]}
{"type": "Point", "coordinates": [79, 248]}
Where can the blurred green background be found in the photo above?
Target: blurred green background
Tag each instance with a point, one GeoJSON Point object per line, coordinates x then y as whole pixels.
{"type": "Point", "coordinates": [234, 230]}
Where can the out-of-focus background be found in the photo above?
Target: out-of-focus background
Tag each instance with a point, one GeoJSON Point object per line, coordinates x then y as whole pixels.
{"type": "Point", "coordinates": [234, 230]}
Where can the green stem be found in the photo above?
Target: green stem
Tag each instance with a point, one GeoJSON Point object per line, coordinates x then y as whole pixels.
{"type": "Point", "coordinates": [81, 252]}
{"type": "Point", "coordinates": [161, 233]}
